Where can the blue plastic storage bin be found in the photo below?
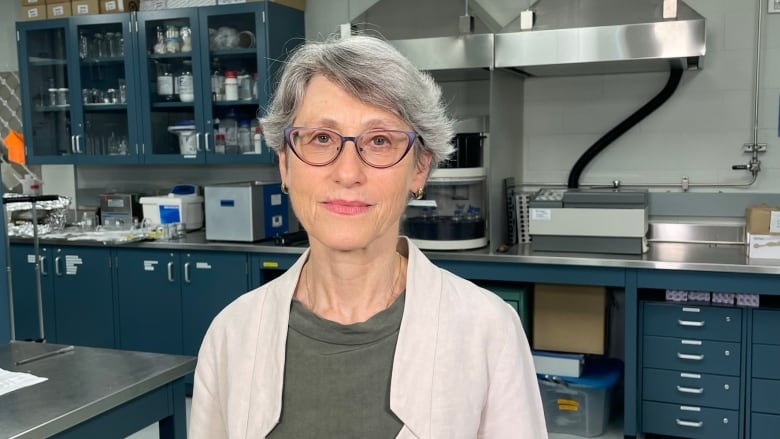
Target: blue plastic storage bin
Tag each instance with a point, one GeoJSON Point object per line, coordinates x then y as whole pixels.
{"type": "Point", "coordinates": [581, 405]}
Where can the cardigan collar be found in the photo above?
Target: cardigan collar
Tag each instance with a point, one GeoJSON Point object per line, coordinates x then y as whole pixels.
{"type": "Point", "coordinates": [412, 378]}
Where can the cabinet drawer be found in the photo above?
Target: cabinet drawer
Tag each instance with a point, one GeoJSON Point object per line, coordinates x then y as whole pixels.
{"type": "Point", "coordinates": [708, 390]}
{"type": "Point", "coordinates": [764, 395]}
{"type": "Point", "coordinates": [689, 421]}
{"type": "Point", "coordinates": [766, 361]}
{"type": "Point", "coordinates": [764, 426]}
{"type": "Point", "coordinates": [766, 326]}
{"type": "Point", "coordinates": [692, 355]}
{"type": "Point", "coordinates": [692, 321]}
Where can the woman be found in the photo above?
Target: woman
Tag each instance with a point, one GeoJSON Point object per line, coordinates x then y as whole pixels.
{"type": "Point", "coordinates": [363, 337]}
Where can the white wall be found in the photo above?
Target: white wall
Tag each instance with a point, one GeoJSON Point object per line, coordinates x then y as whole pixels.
{"type": "Point", "coordinates": [698, 133]}
{"type": "Point", "coordinates": [11, 12]}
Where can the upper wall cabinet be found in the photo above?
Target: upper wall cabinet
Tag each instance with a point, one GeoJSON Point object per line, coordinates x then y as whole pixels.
{"type": "Point", "coordinates": [154, 86]}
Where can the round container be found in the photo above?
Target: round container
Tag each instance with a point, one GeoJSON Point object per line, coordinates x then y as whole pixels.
{"type": "Point", "coordinates": [62, 96]}
{"type": "Point", "coordinates": [52, 97]}
{"type": "Point", "coordinates": [231, 86]}
{"type": "Point", "coordinates": [188, 140]}
{"type": "Point", "coordinates": [165, 85]}
{"type": "Point", "coordinates": [186, 87]}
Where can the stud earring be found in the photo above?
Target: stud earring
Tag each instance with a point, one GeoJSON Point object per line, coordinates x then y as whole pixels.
{"type": "Point", "coordinates": [284, 189]}
{"type": "Point", "coordinates": [417, 195]}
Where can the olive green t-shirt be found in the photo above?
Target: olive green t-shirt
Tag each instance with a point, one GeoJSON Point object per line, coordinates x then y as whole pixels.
{"type": "Point", "coordinates": [337, 377]}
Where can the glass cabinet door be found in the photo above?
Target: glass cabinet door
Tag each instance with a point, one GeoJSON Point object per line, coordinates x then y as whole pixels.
{"type": "Point", "coordinates": [233, 42]}
{"type": "Point", "coordinates": [101, 101]}
{"type": "Point", "coordinates": [170, 67]}
{"type": "Point", "coordinates": [45, 79]}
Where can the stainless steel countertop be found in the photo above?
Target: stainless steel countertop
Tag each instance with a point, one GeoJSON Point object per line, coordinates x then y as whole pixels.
{"type": "Point", "coordinates": [661, 255]}
{"type": "Point", "coordinates": [81, 384]}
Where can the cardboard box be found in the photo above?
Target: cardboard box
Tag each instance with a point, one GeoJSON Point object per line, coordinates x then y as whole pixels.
{"type": "Point", "coordinates": [762, 220]}
{"type": "Point", "coordinates": [297, 4]}
{"type": "Point", "coordinates": [570, 318]}
{"type": "Point", "coordinates": [54, 2]}
{"type": "Point", "coordinates": [112, 6]}
{"type": "Point", "coordinates": [85, 7]}
{"type": "Point", "coordinates": [763, 246]}
{"type": "Point", "coordinates": [30, 13]}
{"type": "Point", "coordinates": [151, 5]}
{"type": "Point", "coordinates": [33, 2]}
{"type": "Point", "coordinates": [58, 10]}
{"type": "Point", "coordinates": [173, 4]}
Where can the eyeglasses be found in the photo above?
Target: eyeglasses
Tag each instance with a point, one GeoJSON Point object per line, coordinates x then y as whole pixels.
{"type": "Point", "coordinates": [377, 148]}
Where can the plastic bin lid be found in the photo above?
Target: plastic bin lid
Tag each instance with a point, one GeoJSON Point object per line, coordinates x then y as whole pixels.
{"type": "Point", "coordinates": [598, 372]}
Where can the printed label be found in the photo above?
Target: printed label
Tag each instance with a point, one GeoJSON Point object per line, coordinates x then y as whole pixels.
{"type": "Point", "coordinates": [541, 214]}
{"type": "Point", "coordinates": [774, 222]}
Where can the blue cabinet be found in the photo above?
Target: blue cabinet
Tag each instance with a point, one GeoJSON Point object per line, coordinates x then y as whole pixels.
{"type": "Point", "coordinates": [210, 281]}
{"type": "Point", "coordinates": [111, 112]}
{"type": "Point", "coordinates": [149, 294]}
{"type": "Point", "coordinates": [265, 267]}
{"type": "Point", "coordinates": [77, 291]}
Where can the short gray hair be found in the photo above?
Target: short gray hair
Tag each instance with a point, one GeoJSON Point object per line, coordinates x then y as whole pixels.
{"type": "Point", "coordinates": [373, 71]}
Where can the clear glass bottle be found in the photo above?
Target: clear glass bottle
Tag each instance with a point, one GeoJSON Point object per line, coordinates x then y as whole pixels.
{"type": "Point", "coordinates": [165, 80]}
{"type": "Point", "coordinates": [217, 82]}
{"type": "Point", "coordinates": [186, 87]}
{"type": "Point", "coordinates": [244, 137]}
{"type": "Point", "coordinates": [229, 124]}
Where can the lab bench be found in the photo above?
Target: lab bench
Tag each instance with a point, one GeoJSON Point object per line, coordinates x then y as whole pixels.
{"type": "Point", "coordinates": [160, 296]}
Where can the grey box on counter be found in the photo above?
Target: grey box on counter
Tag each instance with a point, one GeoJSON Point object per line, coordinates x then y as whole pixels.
{"type": "Point", "coordinates": [246, 211]}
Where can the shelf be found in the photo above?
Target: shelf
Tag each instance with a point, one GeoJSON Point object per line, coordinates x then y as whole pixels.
{"type": "Point", "coordinates": [53, 108]}
{"type": "Point", "coordinates": [104, 107]}
{"type": "Point", "coordinates": [47, 62]}
{"type": "Point", "coordinates": [173, 104]}
{"type": "Point", "coordinates": [234, 103]}
{"type": "Point", "coordinates": [178, 55]}
{"type": "Point", "coordinates": [222, 53]}
{"type": "Point", "coordinates": [103, 60]}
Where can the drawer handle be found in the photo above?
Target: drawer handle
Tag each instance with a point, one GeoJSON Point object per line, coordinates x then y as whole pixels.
{"type": "Point", "coordinates": [690, 356]}
{"type": "Point", "coordinates": [682, 423]}
{"type": "Point", "coordinates": [690, 323]}
{"type": "Point", "coordinates": [697, 391]}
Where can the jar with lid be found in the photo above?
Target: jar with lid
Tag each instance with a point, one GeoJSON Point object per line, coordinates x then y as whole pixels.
{"type": "Point", "coordinates": [244, 137]}
{"type": "Point", "coordinates": [186, 87]}
{"type": "Point", "coordinates": [219, 143]}
{"type": "Point", "coordinates": [231, 86]}
{"type": "Point", "coordinates": [172, 39]}
{"type": "Point", "coordinates": [186, 39]}
{"type": "Point", "coordinates": [165, 88]}
{"type": "Point", "coordinates": [159, 44]}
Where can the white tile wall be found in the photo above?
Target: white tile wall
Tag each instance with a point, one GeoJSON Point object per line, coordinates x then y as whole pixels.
{"type": "Point", "coordinates": [698, 133]}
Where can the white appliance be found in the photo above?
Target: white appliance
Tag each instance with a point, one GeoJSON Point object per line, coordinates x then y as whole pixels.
{"type": "Point", "coordinates": [181, 205]}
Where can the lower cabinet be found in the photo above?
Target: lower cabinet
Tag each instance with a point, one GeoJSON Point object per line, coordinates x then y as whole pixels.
{"type": "Point", "coordinates": [149, 294]}
{"type": "Point", "coordinates": [765, 375]}
{"type": "Point", "coordinates": [77, 292]}
{"type": "Point", "coordinates": [692, 372]}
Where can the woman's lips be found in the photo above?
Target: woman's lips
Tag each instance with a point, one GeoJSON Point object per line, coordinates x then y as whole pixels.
{"type": "Point", "coordinates": [344, 207]}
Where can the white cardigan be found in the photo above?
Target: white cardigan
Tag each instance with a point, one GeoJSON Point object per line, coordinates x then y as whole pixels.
{"type": "Point", "coordinates": [462, 366]}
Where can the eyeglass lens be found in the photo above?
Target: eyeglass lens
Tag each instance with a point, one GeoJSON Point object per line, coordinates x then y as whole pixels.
{"type": "Point", "coordinates": [378, 148]}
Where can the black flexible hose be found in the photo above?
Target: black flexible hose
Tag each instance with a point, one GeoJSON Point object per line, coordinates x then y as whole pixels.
{"type": "Point", "coordinates": [671, 85]}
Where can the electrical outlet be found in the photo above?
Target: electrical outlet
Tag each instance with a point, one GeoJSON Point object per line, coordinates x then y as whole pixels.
{"type": "Point", "coordinates": [774, 6]}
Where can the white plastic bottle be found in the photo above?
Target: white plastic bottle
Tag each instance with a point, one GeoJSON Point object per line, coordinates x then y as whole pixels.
{"type": "Point", "coordinates": [257, 138]}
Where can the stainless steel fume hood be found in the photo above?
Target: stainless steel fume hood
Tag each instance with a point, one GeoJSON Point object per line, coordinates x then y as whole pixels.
{"type": "Point", "coordinates": [571, 37]}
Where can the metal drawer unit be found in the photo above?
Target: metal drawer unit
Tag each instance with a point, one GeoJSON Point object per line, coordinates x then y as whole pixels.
{"type": "Point", "coordinates": [765, 374]}
{"type": "Point", "coordinates": [691, 368]}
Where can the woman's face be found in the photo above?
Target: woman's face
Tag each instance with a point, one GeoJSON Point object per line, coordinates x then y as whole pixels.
{"type": "Point", "coordinates": [348, 204]}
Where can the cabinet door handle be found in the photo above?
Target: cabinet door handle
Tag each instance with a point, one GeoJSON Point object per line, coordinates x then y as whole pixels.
{"type": "Point", "coordinates": [187, 272]}
{"type": "Point", "coordinates": [42, 262]}
{"type": "Point", "coordinates": [690, 356]}
{"type": "Point", "coordinates": [72, 147]}
{"type": "Point", "coordinates": [197, 140]}
{"type": "Point", "coordinates": [57, 266]}
{"type": "Point", "coordinates": [693, 424]}
{"type": "Point", "coordinates": [206, 136]}
{"type": "Point", "coordinates": [78, 144]}
{"type": "Point", "coordinates": [170, 271]}
{"type": "Point", "coordinates": [690, 323]}
{"type": "Point", "coordinates": [697, 391]}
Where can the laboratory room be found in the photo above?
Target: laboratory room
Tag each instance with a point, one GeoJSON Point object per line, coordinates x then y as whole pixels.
{"type": "Point", "coordinates": [390, 219]}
